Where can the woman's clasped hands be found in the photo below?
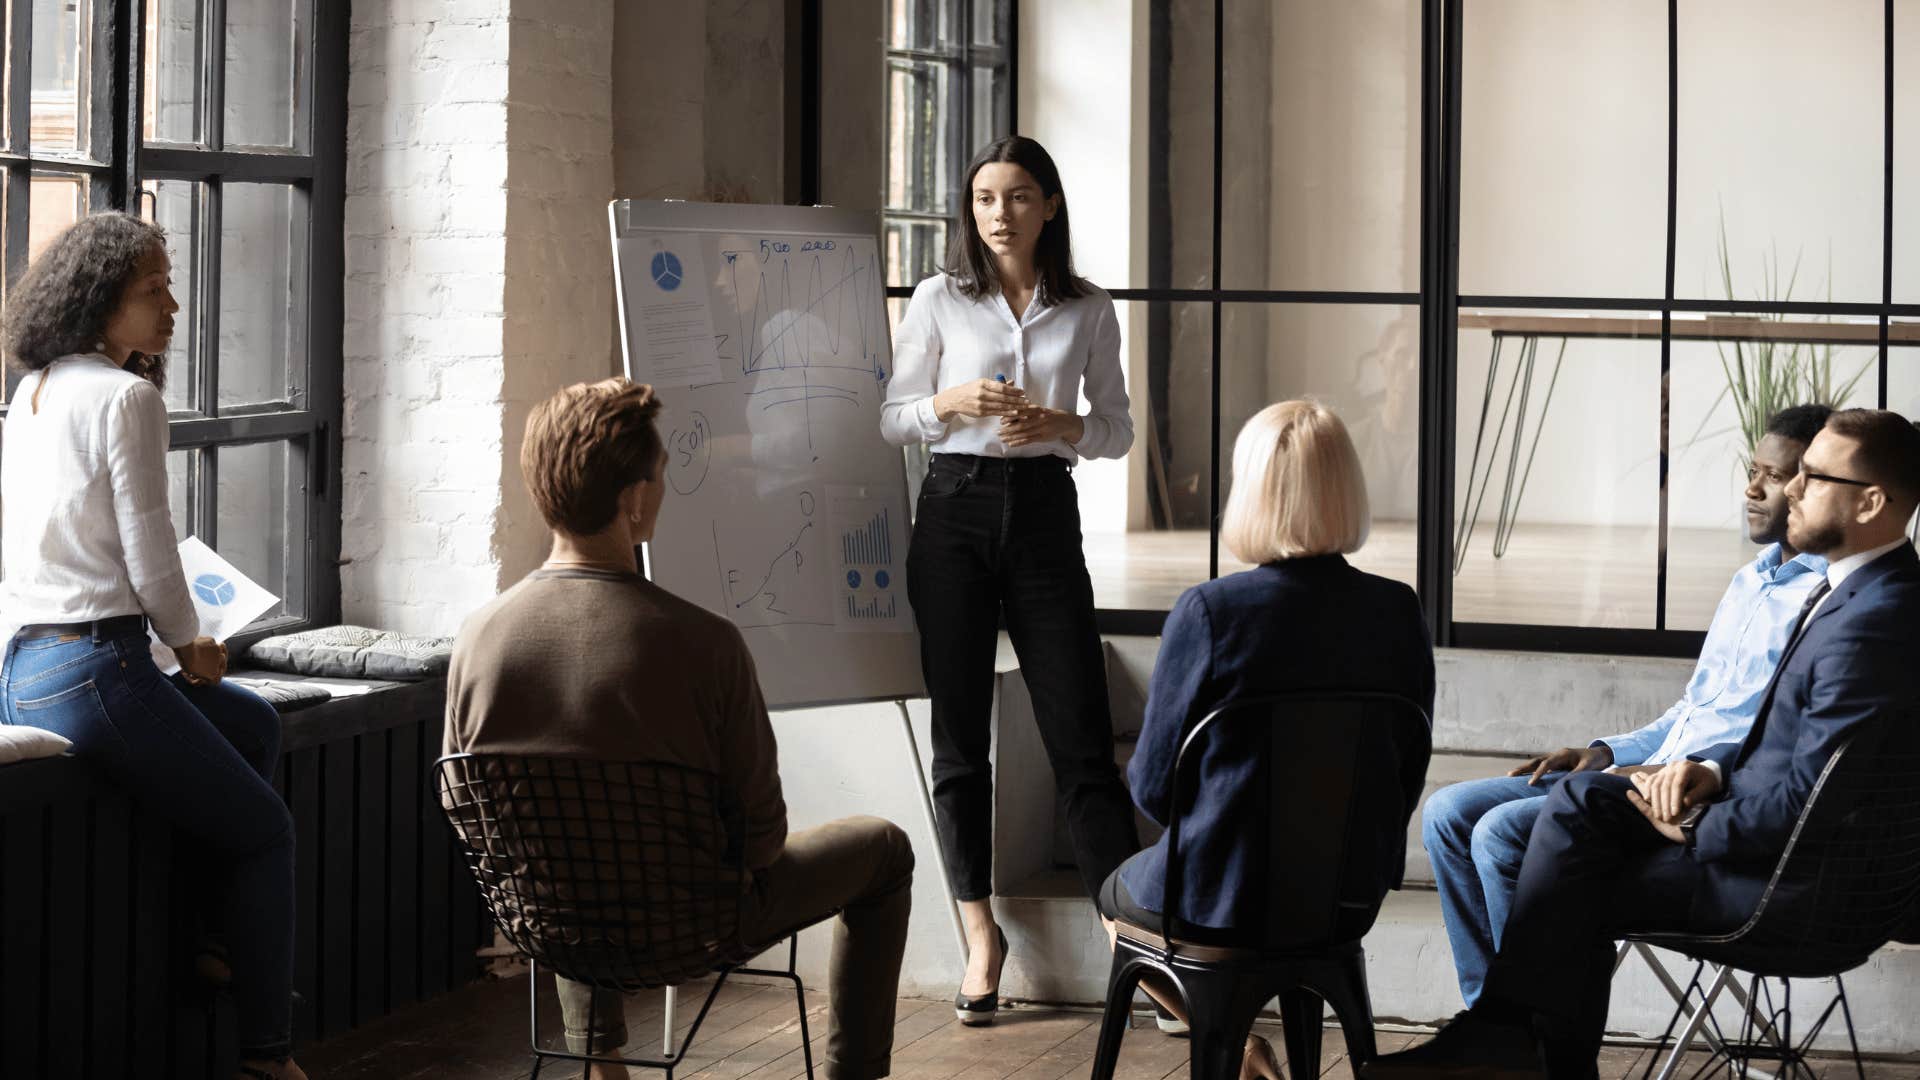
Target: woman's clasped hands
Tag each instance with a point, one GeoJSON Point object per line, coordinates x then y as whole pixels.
{"type": "Point", "coordinates": [203, 660]}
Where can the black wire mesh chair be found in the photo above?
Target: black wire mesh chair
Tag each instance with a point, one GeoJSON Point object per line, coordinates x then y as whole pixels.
{"type": "Point", "coordinates": [1847, 883]}
{"type": "Point", "coordinates": [621, 875]}
{"type": "Point", "coordinates": [1342, 772]}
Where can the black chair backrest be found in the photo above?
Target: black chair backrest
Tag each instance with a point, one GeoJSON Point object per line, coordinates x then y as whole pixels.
{"type": "Point", "coordinates": [621, 874]}
{"type": "Point", "coordinates": [1342, 771]}
{"type": "Point", "coordinates": [1849, 879]}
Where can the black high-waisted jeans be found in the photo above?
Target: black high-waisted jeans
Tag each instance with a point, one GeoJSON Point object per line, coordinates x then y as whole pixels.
{"type": "Point", "coordinates": [999, 535]}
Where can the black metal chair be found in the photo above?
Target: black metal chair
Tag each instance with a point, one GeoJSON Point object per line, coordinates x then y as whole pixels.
{"type": "Point", "coordinates": [1342, 772]}
{"type": "Point", "coordinates": [621, 875]}
{"type": "Point", "coordinates": [1847, 883]}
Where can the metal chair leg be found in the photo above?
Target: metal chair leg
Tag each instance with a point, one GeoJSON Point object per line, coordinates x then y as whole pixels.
{"type": "Point", "coordinates": [1694, 1023]}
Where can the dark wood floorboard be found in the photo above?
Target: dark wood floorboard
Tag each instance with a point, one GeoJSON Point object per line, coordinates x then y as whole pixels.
{"type": "Point", "coordinates": [753, 1033]}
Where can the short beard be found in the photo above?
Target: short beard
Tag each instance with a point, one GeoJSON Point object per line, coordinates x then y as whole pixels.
{"type": "Point", "coordinates": [1816, 540]}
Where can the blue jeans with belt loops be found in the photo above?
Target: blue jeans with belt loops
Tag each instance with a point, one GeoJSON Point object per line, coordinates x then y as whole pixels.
{"type": "Point", "coordinates": [200, 757]}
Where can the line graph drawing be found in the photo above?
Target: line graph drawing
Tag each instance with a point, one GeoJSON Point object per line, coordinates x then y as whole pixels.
{"type": "Point", "coordinates": [805, 331]}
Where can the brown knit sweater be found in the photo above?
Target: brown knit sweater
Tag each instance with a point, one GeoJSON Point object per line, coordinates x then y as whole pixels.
{"type": "Point", "coordinates": [588, 663]}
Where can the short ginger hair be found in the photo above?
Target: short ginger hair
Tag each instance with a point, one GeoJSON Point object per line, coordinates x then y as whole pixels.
{"type": "Point", "coordinates": [584, 446]}
{"type": "Point", "coordinates": [1298, 488]}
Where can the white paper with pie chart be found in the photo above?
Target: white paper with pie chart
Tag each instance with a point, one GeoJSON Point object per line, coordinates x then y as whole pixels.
{"type": "Point", "coordinates": [226, 599]}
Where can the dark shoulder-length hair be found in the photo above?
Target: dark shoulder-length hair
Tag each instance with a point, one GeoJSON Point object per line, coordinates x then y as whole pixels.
{"type": "Point", "coordinates": [969, 262]}
{"type": "Point", "coordinates": [63, 302]}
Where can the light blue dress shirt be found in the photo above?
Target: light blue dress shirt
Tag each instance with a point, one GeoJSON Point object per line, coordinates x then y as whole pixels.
{"type": "Point", "coordinates": [1749, 632]}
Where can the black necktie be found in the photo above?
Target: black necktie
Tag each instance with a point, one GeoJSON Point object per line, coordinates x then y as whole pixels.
{"type": "Point", "coordinates": [1819, 593]}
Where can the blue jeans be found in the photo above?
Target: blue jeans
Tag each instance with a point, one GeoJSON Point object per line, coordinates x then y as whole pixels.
{"type": "Point", "coordinates": [202, 758]}
{"type": "Point", "coordinates": [1476, 834]}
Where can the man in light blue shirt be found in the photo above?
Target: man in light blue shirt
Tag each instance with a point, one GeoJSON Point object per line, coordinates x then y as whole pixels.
{"type": "Point", "coordinates": [1476, 832]}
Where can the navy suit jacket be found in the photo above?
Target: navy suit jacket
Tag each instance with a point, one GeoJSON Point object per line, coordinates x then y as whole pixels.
{"type": "Point", "coordinates": [1844, 677]}
{"type": "Point", "coordinates": [1302, 624]}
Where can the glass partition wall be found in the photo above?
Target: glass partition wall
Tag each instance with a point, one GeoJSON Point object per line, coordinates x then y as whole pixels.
{"type": "Point", "coordinates": [1551, 263]}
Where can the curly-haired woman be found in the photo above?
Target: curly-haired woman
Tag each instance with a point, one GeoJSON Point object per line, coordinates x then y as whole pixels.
{"type": "Point", "coordinates": [90, 562]}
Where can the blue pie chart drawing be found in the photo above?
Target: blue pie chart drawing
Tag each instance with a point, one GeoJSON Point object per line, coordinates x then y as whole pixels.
{"type": "Point", "coordinates": [213, 590]}
{"type": "Point", "coordinates": [880, 578]}
{"type": "Point", "coordinates": [853, 579]}
{"type": "Point", "coordinates": [666, 270]}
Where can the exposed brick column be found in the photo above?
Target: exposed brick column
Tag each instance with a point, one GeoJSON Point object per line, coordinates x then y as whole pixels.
{"type": "Point", "coordinates": [478, 150]}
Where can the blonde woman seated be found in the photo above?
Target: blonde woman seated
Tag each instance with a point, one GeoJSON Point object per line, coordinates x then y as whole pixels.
{"type": "Point", "coordinates": [1301, 619]}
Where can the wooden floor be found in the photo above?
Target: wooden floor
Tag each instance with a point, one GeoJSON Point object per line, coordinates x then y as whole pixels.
{"type": "Point", "coordinates": [1555, 575]}
{"type": "Point", "coordinates": [480, 1032]}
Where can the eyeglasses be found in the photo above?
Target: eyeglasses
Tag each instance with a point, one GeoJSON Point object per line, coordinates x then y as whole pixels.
{"type": "Point", "coordinates": [1835, 479]}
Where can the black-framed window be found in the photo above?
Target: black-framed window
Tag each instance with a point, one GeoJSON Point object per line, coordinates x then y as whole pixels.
{"type": "Point", "coordinates": [949, 91]}
{"type": "Point", "coordinates": [224, 122]}
{"type": "Point", "coordinates": [1323, 181]}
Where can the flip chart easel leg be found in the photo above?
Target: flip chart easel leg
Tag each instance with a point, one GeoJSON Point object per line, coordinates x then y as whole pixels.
{"type": "Point", "coordinates": [666, 1027]}
{"type": "Point", "coordinates": [933, 828]}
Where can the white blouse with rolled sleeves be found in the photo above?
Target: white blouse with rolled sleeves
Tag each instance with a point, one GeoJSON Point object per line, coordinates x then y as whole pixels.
{"type": "Point", "coordinates": [1052, 352]}
{"type": "Point", "coordinates": [86, 532]}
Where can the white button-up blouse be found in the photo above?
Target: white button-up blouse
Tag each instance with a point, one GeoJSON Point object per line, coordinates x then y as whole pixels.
{"type": "Point", "coordinates": [83, 485]}
{"type": "Point", "coordinates": [1052, 352]}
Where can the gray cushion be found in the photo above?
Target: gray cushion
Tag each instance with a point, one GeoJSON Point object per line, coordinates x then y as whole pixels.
{"type": "Point", "coordinates": [353, 652]}
{"type": "Point", "coordinates": [285, 697]}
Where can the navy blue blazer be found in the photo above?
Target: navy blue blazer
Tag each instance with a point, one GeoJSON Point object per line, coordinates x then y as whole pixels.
{"type": "Point", "coordinates": [1836, 681]}
{"type": "Point", "coordinates": [1302, 624]}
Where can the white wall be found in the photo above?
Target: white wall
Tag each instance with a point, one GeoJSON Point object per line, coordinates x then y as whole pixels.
{"type": "Point", "coordinates": [1076, 91]}
{"type": "Point", "coordinates": [479, 147]}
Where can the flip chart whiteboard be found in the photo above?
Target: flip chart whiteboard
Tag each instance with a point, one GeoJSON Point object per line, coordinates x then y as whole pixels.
{"type": "Point", "coordinates": [764, 330]}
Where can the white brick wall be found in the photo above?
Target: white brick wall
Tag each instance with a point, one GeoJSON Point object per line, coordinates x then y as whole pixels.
{"type": "Point", "coordinates": [479, 166]}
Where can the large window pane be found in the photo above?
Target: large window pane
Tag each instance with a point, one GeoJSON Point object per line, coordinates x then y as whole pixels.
{"type": "Point", "coordinates": [54, 203]}
{"type": "Point", "coordinates": [1322, 149]}
{"type": "Point", "coordinates": [257, 520]}
{"type": "Point", "coordinates": [183, 484]}
{"type": "Point", "coordinates": [1363, 363]}
{"type": "Point", "coordinates": [262, 230]}
{"type": "Point", "coordinates": [920, 161]}
{"type": "Point", "coordinates": [1557, 469]}
{"type": "Point", "coordinates": [923, 24]}
{"type": "Point", "coordinates": [989, 108]}
{"type": "Point", "coordinates": [175, 207]}
{"type": "Point", "coordinates": [1563, 146]}
{"type": "Point", "coordinates": [1906, 158]}
{"type": "Point", "coordinates": [1713, 436]}
{"type": "Point", "coordinates": [263, 76]}
{"type": "Point", "coordinates": [1903, 385]}
{"type": "Point", "coordinates": [60, 82]}
{"type": "Point", "coordinates": [1145, 517]}
{"type": "Point", "coordinates": [171, 69]}
{"type": "Point", "coordinates": [1781, 149]}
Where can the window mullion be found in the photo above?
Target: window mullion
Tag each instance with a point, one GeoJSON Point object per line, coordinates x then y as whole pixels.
{"type": "Point", "coordinates": [19, 76]}
{"type": "Point", "coordinates": [206, 297]}
{"type": "Point", "coordinates": [213, 73]}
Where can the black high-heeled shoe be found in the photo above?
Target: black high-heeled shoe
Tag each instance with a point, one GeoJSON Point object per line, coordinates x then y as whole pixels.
{"type": "Point", "coordinates": [980, 1011]}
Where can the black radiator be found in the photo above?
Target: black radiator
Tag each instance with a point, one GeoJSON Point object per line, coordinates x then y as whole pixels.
{"type": "Point", "coordinates": [97, 900]}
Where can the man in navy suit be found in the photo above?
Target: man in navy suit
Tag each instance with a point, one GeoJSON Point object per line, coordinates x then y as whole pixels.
{"type": "Point", "coordinates": [1690, 848]}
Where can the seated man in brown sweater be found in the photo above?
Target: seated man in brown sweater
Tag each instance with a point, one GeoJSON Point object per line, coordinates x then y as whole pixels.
{"type": "Point", "coordinates": [586, 658]}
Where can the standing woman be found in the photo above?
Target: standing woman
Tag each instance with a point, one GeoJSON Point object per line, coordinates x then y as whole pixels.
{"type": "Point", "coordinates": [989, 366]}
{"type": "Point", "coordinates": [90, 562]}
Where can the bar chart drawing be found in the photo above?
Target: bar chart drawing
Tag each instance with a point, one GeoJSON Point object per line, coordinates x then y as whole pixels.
{"type": "Point", "coordinates": [864, 520]}
{"type": "Point", "coordinates": [870, 544]}
{"type": "Point", "coordinates": [874, 608]}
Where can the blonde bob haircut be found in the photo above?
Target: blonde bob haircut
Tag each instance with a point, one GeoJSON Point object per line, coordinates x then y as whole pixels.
{"type": "Point", "coordinates": [1297, 487]}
